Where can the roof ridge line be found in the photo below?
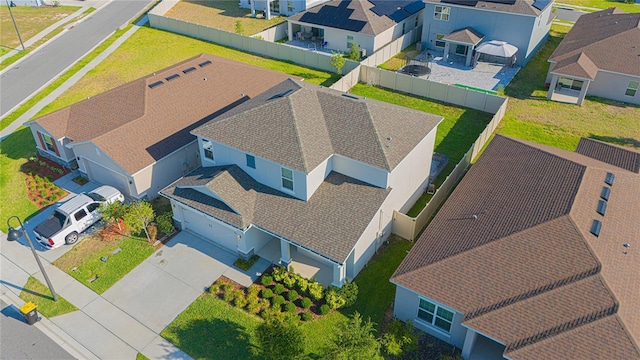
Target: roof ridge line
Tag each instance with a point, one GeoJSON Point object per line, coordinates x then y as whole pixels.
{"type": "Point", "coordinates": [375, 131]}
{"type": "Point", "coordinates": [296, 129]}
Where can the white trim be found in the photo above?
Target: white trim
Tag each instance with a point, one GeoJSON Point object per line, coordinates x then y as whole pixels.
{"type": "Point", "coordinates": [435, 315]}
{"type": "Point", "coordinates": [481, 333]}
{"type": "Point", "coordinates": [295, 244]}
{"type": "Point", "coordinates": [570, 76]}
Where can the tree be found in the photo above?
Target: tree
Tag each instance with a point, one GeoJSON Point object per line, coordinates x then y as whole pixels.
{"type": "Point", "coordinates": [112, 212]}
{"type": "Point", "coordinates": [239, 27]}
{"type": "Point", "coordinates": [354, 52]}
{"type": "Point", "coordinates": [280, 336]}
{"type": "Point", "coordinates": [337, 61]}
{"type": "Point", "coordinates": [138, 217]}
{"type": "Point", "coordinates": [353, 340]}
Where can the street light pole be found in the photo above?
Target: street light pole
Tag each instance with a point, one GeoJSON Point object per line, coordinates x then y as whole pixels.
{"type": "Point", "coordinates": [14, 235]}
{"type": "Point", "coordinates": [15, 25]}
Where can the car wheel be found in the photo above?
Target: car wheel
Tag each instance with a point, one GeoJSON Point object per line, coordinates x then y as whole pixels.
{"type": "Point", "coordinates": [71, 238]}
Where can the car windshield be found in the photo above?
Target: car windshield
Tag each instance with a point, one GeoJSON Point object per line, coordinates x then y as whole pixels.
{"type": "Point", "coordinates": [60, 217]}
{"type": "Point", "coordinates": [95, 197]}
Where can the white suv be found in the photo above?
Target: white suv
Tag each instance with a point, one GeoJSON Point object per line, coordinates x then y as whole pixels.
{"type": "Point", "coordinates": [74, 216]}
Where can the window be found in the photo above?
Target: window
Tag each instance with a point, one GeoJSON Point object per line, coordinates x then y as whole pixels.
{"type": "Point", "coordinates": [349, 41]}
{"type": "Point", "coordinates": [251, 161]}
{"type": "Point", "coordinates": [632, 88]}
{"type": "Point", "coordinates": [572, 84]}
{"type": "Point", "coordinates": [207, 146]}
{"type": "Point", "coordinates": [275, 6]}
{"type": "Point", "coordinates": [442, 13]}
{"type": "Point", "coordinates": [439, 42]}
{"type": "Point", "coordinates": [287, 179]}
{"type": "Point", "coordinates": [417, 21]}
{"type": "Point", "coordinates": [93, 207]}
{"type": "Point", "coordinates": [403, 27]}
{"type": "Point", "coordinates": [290, 6]}
{"type": "Point", "coordinates": [80, 214]}
{"type": "Point", "coordinates": [48, 142]}
{"type": "Point", "coordinates": [462, 49]}
{"type": "Point", "coordinates": [435, 315]}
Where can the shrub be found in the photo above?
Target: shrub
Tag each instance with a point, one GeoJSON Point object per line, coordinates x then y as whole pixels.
{"type": "Point", "coordinates": [290, 307]}
{"type": "Point", "coordinates": [213, 289]}
{"type": "Point", "coordinates": [306, 316]}
{"type": "Point", "coordinates": [292, 295]}
{"type": "Point", "coordinates": [266, 280]}
{"type": "Point", "coordinates": [228, 296]}
{"type": "Point", "coordinates": [278, 289]}
{"type": "Point", "coordinates": [266, 293]}
{"type": "Point", "coordinates": [264, 303]}
{"type": "Point", "coordinates": [253, 305]}
{"type": "Point", "coordinates": [165, 222]}
{"type": "Point", "coordinates": [240, 300]}
{"type": "Point", "coordinates": [333, 298]}
{"type": "Point", "coordinates": [324, 309]}
{"type": "Point", "coordinates": [290, 280]}
{"type": "Point", "coordinates": [43, 193]}
{"type": "Point", "coordinates": [227, 287]}
{"type": "Point", "coordinates": [315, 291]}
{"type": "Point", "coordinates": [305, 303]}
{"type": "Point", "coordinates": [152, 230]}
{"type": "Point", "coordinates": [253, 290]}
{"type": "Point", "coordinates": [279, 273]}
{"type": "Point", "coordinates": [349, 292]}
{"type": "Point", "coordinates": [302, 284]}
{"type": "Point", "coordinates": [277, 301]}
{"type": "Point", "coordinates": [399, 338]}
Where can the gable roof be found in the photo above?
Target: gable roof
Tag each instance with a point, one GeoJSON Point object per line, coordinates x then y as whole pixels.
{"type": "Point", "coordinates": [526, 268]}
{"type": "Point", "coordinates": [329, 223]}
{"type": "Point", "coordinates": [370, 17]}
{"type": "Point", "coordinates": [136, 125]}
{"type": "Point", "coordinates": [300, 125]}
{"type": "Point", "coordinates": [467, 35]}
{"type": "Point", "coordinates": [524, 7]}
{"type": "Point", "coordinates": [605, 40]}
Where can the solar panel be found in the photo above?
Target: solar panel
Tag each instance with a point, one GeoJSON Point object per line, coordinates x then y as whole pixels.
{"type": "Point", "coordinates": [595, 227]}
{"type": "Point", "coordinates": [171, 77]}
{"type": "Point", "coordinates": [396, 10]}
{"type": "Point", "coordinates": [602, 207]}
{"type": "Point", "coordinates": [461, 2]}
{"type": "Point", "coordinates": [205, 63]}
{"type": "Point", "coordinates": [541, 4]}
{"type": "Point", "coordinates": [609, 178]}
{"type": "Point", "coordinates": [188, 70]}
{"type": "Point", "coordinates": [604, 194]}
{"type": "Point", "coordinates": [508, 2]}
{"type": "Point", "coordinates": [155, 84]}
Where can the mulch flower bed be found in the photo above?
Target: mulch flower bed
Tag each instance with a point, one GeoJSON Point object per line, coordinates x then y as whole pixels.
{"type": "Point", "coordinates": [39, 176]}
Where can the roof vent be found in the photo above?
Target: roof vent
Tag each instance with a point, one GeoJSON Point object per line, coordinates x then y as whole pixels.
{"type": "Point", "coordinates": [602, 207]}
{"type": "Point", "coordinates": [188, 70]}
{"type": "Point", "coordinates": [282, 94]}
{"type": "Point", "coordinates": [351, 96]}
{"type": "Point", "coordinates": [626, 248]}
{"type": "Point", "coordinates": [604, 194]}
{"type": "Point", "coordinates": [172, 77]}
{"type": "Point", "coordinates": [389, 138]}
{"type": "Point", "coordinates": [474, 217]}
{"type": "Point", "coordinates": [609, 178]}
{"type": "Point", "coordinates": [155, 84]}
{"type": "Point", "coordinates": [595, 227]}
{"type": "Point", "coordinates": [205, 63]}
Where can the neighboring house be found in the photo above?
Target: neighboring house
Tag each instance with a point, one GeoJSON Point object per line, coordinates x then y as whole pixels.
{"type": "Point", "coordinates": [278, 7]}
{"type": "Point", "coordinates": [535, 255]}
{"type": "Point", "coordinates": [309, 172]}
{"type": "Point", "coordinates": [136, 137]}
{"type": "Point", "coordinates": [600, 56]}
{"type": "Point", "coordinates": [371, 24]}
{"type": "Point", "coordinates": [457, 27]}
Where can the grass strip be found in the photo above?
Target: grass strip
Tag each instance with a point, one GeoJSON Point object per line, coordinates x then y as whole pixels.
{"type": "Point", "coordinates": [39, 294]}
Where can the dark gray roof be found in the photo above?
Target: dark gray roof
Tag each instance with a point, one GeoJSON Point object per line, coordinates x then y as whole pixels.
{"type": "Point", "coordinates": [362, 16]}
{"type": "Point", "coordinates": [300, 125]}
{"type": "Point", "coordinates": [525, 7]}
{"type": "Point", "coordinates": [330, 223]}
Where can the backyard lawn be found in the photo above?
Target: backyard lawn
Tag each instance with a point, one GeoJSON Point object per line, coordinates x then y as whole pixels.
{"type": "Point", "coordinates": [30, 21]}
{"type": "Point", "coordinates": [39, 294]}
{"type": "Point", "coordinates": [231, 331]}
{"type": "Point", "coordinates": [400, 59]}
{"type": "Point", "coordinates": [603, 4]}
{"type": "Point", "coordinates": [221, 15]}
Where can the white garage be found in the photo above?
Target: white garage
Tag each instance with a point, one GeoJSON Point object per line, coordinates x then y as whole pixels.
{"type": "Point", "coordinates": [208, 228]}
{"type": "Point", "coordinates": [104, 175]}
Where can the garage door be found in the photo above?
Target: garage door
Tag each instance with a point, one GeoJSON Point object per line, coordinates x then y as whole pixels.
{"type": "Point", "coordinates": [210, 229]}
{"type": "Point", "coordinates": [102, 175]}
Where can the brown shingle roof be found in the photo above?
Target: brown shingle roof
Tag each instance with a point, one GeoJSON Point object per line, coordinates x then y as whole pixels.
{"type": "Point", "coordinates": [611, 154]}
{"type": "Point", "coordinates": [330, 223]}
{"type": "Point", "coordinates": [300, 125]}
{"type": "Point", "coordinates": [467, 35]}
{"type": "Point", "coordinates": [524, 7]}
{"type": "Point", "coordinates": [137, 125]}
{"type": "Point", "coordinates": [610, 39]}
{"type": "Point", "coordinates": [527, 270]}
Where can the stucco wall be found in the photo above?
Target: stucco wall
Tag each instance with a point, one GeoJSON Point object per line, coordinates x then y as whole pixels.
{"type": "Point", "coordinates": [361, 171]}
{"type": "Point", "coordinates": [64, 155]}
{"type": "Point", "coordinates": [206, 226]}
{"type": "Point", "coordinates": [405, 308]}
{"type": "Point", "coordinates": [100, 167]}
{"type": "Point", "coordinates": [613, 86]}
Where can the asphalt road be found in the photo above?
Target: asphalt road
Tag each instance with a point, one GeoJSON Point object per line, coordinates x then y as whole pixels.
{"type": "Point", "coordinates": [22, 341]}
{"type": "Point", "coordinates": [21, 81]}
{"type": "Point", "coordinates": [568, 14]}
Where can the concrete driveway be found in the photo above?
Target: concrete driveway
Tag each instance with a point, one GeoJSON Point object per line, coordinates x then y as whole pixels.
{"type": "Point", "coordinates": [160, 288]}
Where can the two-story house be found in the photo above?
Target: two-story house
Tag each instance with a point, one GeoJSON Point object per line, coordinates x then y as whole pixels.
{"type": "Point", "coordinates": [458, 27]}
{"type": "Point", "coordinates": [307, 171]}
{"type": "Point", "coordinates": [279, 7]}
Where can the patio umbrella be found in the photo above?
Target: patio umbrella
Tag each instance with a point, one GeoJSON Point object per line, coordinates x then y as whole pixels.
{"type": "Point", "coordinates": [497, 48]}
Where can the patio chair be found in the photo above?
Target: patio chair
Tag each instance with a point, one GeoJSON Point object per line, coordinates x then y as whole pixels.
{"type": "Point", "coordinates": [324, 45]}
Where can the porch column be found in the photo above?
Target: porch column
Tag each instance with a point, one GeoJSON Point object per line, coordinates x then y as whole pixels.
{"type": "Point", "coordinates": [469, 342]}
{"type": "Point", "coordinates": [446, 50]}
{"type": "Point", "coordinates": [552, 86]}
{"type": "Point", "coordinates": [338, 275]}
{"type": "Point", "coordinates": [290, 30]}
{"type": "Point", "coordinates": [242, 247]}
{"type": "Point", "coordinates": [583, 92]}
{"type": "Point", "coordinates": [252, 3]}
{"type": "Point", "coordinates": [285, 252]}
{"type": "Point", "coordinates": [267, 11]}
{"type": "Point", "coordinates": [469, 55]}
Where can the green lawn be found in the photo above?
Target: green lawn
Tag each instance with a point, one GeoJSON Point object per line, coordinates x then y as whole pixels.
{"type": "Point", "coordinates": [530, 116]}
{"type": "Point", "coordinates": [84, 263]}
{"type": "Point", "coordinates": [603, 4]}
{"type": "Point", "coordinates": [149, 50]}
{"type": "Point", "coordinates": [221, 15]}
{"type": "Point", "coordinates": [30, 21]}
{"type": "Point", "coordinates": [400, 59]}
{"type": "Point", "coordinates": [459, 129]}
{"type": "Point", "coordinates": [39, 294]}
{"type": "Point", "coordinates": [230, 332]}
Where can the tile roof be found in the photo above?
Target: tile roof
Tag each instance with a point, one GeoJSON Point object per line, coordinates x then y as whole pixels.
{"type": "Point", "coordinates": [524, 7]}
{"type": "Point", "coordinates": [608, 39]}
{"type": "Point", "coordinates": [137, 125]}
{"type": "Point", "coordinates": [361, 16]}
{"type": "Point", "coordinates": [514, 238]}
{"type": "Point", "coordinates": [467, 35]}
{"type": "Point", "coordinates": [330, 223]}
{"type": "Point", "coordinates": [611, 154]}
{"type": "Point", "coordinates": [300, 125]}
